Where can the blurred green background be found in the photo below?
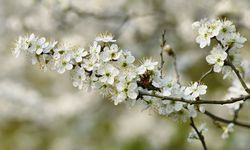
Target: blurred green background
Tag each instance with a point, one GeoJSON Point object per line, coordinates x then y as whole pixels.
{"type": "Point", "coordinates": [42, 111]}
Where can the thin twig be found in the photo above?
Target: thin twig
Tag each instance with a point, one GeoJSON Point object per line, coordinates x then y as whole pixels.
{"type": "Point", "coordinates": [162, 44]}
{"type": "Point", "coordinates": [236, 71]}
{"type": "Point", "coordinates": [171, 53]}
{"type": "Point", "coordinates": [210, 71]}
{"type": "Point", "coordinates": [237, 111]}
{"type": "Point", "coordinates": [201, 101]}
{"type": "Point", "coordinates": [176, 69]}
{"type": "Point", "coordinates": [201, 137]}
{"type": "Point", "coordinates": [119, 28]}
{"type": "Point", "coordinates": [217, 118]}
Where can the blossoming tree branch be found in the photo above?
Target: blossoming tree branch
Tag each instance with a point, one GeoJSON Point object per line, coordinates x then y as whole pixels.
{"type": "Point", "coordinates": [117, 74]}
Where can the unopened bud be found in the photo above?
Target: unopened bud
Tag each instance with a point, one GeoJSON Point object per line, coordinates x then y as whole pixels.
{"type": "Point", "coordinates": [168, 49]}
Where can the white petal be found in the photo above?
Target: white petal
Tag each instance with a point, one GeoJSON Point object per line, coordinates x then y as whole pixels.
{"type": "Point", "coordinates": [132, 95]}
{"type": "Point", "coordinates": [188, 91]}
{"type": "Point", "coordinates": [178, 106]}
{"type": "Point", "coordinates": [141, 70]}
{"type": "Point", "coordinates": [39, 51]}
{"type": "Point", "coordinates": [69, 66]}
{"type": "Point", "coordinates": [217, 68]}
{"type": "Point", "coordinates": [130, 59]}
{"type": "Point", "coordinates": [132, 86]}
{"type": "Point", "coordinates": [78, 59]}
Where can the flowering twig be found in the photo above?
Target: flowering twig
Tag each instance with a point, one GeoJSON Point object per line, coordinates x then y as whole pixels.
{"type": "Point", "coordinates": [201, 137]}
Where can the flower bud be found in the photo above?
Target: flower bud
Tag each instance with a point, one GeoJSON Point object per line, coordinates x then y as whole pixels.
{"type": "Point", "coordinates": [168, 49]}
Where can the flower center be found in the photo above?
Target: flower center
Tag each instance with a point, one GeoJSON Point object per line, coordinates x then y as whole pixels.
{"type": "Point", "coordinates": [224, 30]}
{"type": "Point", "coordinates": [124, 64]}
{"type": "Point", "coordinates": [108, 74]}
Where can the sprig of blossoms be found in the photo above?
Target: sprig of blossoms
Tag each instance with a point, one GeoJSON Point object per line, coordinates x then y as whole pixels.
{"type": "Point", "coordinates": [105, 67]}
{"type": "Point", "coordinates": [207, 29]}
{"type": "Point", "coordinates": [228, 39]}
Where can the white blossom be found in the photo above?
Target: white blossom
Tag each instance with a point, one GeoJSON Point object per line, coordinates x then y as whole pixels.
{"type": "Point", "coordinates": [234, 41]}
{"type": "Point", "coordinates": [207, 29]}
{"type": "Point", "coordinates": [105, 37]}
{"type": "Point", "coordinates": [214, 27]}
{"type": "Point", "coordinates": [125, 90]}
{"type": "Point", "coordinates": [195, 90]}
{"type": "Point", "coordinates": [94, 50]}
{"type": "Point", "coordinates": [108, 73]}
{"type": "Point", "coordinates": [198, 24]}
{"type": "Point", "coordinates": [90, 64]}
{"type": "Point", "coordinates": [166, 84]}
{"type": "Point", "coordinates": [229, 129]}
{"type": "Point", "coordinates": [20, 45]}
{"type": "Point", "coordinates": [79, 54]}
{"type": "Point", "coordinates": [217, 58]}
{"type": "Point", "coordinates": [111, 53]}
{"type": "Point", "coordinates": [204, 37]}
{"type": "Point", "coordinates": [49, 47]}
{"type": "Point", "coordinates": [40, 45]}
{"type": "Point", "coordinates": [226, 30]}
{"type": "Point", "coordinates": [167, 107]}
{"type": "Point", "coordinates": [192, 111]}
{"type": "Point", "coordinates": [64, 63]}
{"type": "Point", "coordinates": [126, 60]}
{"type": "Point", "coordinates": [147, 65]}
{"type": "Point", "coordinates": [79, 77]}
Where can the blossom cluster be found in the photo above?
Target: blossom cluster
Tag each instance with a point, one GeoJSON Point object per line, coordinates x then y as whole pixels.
{"type": "Point", "coordinates": [228, 39]}
{"type": "Point", "coordinates": [226, 51]}
{"type": "Point", "coordinates": [113, 71]}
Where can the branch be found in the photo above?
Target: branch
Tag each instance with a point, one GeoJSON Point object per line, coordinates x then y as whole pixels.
{"type": "Point", "coordinates": [201, 137]}
{"type": "Point", "coordinates": [217, 118]}
{"type": "Point", "coordinates": [201, 101]}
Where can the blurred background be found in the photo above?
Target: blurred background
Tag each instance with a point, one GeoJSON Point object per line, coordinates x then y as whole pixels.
{"type": "Point", "coordinates": [43, 111]}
